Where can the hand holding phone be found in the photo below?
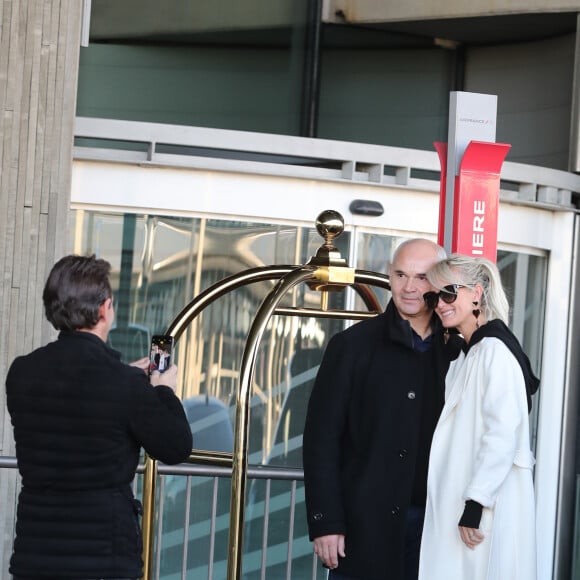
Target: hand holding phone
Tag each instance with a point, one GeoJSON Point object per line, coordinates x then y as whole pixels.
{"type": "Point", "coordinates": [161, 354]}
{"type": "Point", "coordinates": [167, 379]}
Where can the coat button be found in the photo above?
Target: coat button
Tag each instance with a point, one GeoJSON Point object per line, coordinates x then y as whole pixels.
{"type": "Point", "coordinates": [411, 395]}
{"type": "Point", "coordinates": [317, 516]}
{"type": "Point", "coordinates": [395, 511]}
{"type": "Point", "coordinates": [403, 453]}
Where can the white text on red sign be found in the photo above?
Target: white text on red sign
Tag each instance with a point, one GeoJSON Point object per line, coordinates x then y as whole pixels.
{"type": "Point", "coordinates": [478, 238]}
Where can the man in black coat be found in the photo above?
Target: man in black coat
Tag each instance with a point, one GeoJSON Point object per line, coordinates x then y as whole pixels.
{"type": "Point", "coordinates": [371, 416]}
{"type": "Point", "coordinates": [80, 418]}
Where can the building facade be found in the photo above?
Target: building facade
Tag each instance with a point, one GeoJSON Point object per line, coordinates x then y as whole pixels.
{"type": "Point", "coordinates": [208, 138]}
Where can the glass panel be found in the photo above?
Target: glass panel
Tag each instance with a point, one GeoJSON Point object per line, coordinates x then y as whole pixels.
{"type": "Point", "coordinates": [159, 264]}
{"type": "Point", "coordinates": [524, 277]}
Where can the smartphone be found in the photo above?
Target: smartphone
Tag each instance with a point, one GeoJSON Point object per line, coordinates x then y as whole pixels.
{"type": "Point", "coordinates": [161, 353]}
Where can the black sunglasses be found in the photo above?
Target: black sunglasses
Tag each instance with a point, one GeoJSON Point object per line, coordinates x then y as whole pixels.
{"type": "Point", "coordinates": [448, 294]}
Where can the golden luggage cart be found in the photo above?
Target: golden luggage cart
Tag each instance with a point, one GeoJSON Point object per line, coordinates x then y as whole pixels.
{"type": "Point", "coordinates": [324, 272]}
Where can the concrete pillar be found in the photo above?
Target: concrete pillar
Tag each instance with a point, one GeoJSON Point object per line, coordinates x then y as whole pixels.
{"type": "Point", "coordinates": [39, 54]}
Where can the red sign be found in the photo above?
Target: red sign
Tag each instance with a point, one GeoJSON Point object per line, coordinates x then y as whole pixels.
{"type": "Point", "coordinates": [475, 199]}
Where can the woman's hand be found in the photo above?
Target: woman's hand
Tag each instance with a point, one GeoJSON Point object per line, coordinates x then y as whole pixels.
{"type": "Point", "coordinates": [471, 537]}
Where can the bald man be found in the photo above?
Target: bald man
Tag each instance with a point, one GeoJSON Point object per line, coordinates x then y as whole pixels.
{"type": "Point", "coordinates": [371, 416]}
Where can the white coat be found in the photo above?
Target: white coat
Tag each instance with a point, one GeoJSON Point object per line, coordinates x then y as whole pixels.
{"type": "Point", "coordinates": [481, 451]}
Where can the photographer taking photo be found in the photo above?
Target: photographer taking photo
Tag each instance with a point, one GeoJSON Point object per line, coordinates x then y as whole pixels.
{"type": "Point", "coordinates": [80, 417]}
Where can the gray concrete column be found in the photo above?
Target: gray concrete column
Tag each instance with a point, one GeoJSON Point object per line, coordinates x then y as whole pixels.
{"type": "Point", "coordinates": [39, 54]}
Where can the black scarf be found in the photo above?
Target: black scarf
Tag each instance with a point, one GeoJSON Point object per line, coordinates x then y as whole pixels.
{"type": "Point", "coordinates": [497, 329]}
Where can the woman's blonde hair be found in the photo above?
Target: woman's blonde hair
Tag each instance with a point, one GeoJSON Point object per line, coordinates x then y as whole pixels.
{"type": "Point", "coordinates": [469, 271]}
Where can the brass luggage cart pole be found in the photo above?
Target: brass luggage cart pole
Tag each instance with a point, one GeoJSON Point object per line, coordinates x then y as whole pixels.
{"type": "Point", "coordinates": [149, 491]}
{"type": "Point", "coordinates": [325, 271]}
{"type": "Point", "coordinates": [241, 432]}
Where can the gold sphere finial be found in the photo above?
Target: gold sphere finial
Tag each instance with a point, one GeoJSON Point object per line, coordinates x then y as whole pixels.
{"type": "Point", "coordinates": [329, 224]}
{"type": "Point", "coordinates": [331, 265]}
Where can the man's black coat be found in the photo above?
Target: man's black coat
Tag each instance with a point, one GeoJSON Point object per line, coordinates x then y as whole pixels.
{"type": "Point", "coordinates": [80, 417]}
{"type": "Point", "coordinates": [366, 434]}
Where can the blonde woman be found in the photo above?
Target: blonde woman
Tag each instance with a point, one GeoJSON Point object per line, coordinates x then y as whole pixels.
{"type": "Point", "coordinates": [479, 520]}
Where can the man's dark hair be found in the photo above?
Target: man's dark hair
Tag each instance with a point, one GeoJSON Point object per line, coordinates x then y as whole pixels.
{"type": "Point", "coordinates": [75, 289]}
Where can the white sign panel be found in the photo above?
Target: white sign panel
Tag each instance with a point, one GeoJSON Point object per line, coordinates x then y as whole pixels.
{"type": "Point", "coordinates": [472, 117]}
